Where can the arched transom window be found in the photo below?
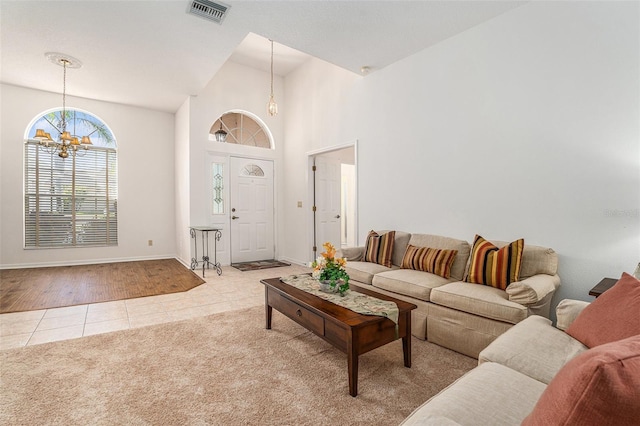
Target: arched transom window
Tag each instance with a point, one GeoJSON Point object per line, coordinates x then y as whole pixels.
{"type": "Point", "coordinates": [72, 201]}
{"type": "Point", "coordinates": [241, 129]}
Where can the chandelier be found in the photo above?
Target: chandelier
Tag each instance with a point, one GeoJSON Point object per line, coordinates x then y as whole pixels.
{"type": "Point", "coordinates": [272, 106]}
{"type": "Point", "coordinates": [66, 142]}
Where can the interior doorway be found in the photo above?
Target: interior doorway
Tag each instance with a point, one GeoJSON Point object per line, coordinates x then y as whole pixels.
{"type": "Point", "coordinates": [334, 195]}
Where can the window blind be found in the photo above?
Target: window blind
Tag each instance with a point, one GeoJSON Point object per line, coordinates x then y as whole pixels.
{"type": "Point", "coordinates": [70, 202]}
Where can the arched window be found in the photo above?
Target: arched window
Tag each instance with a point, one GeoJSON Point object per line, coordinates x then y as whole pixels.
{"type": "Point", "coordinates": [242, 129]}
{"type": "Point", "coordinates": [70, 200]}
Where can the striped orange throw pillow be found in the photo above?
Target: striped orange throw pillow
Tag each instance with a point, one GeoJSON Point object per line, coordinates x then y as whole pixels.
{"type": "Point", "coordinates": [492, 266]}
{"type": "Point", "coordinates": [379, 248]}
{"type": "Point", "coordinates": [427, 259]}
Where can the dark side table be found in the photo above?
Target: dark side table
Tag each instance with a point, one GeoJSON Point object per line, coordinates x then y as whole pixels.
{"type": "Point", "coordinates": [604, 285]}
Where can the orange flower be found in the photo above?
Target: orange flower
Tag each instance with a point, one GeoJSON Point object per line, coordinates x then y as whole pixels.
{"type": "Point", "coordinates": [330, 250]}
{"type": "Point", "coordinates": [341, 261]}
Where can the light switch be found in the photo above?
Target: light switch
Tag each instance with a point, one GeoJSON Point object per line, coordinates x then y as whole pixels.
{"type": "Point", "coordinates": [299, 203]}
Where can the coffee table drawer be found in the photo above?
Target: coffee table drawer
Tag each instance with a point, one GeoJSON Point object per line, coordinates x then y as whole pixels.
{"type": "Point", "coordinates": [299, 314]}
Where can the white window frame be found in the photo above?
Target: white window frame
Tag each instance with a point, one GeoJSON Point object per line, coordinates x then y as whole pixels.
{"type": "Point", "coordinates": [70, 202]}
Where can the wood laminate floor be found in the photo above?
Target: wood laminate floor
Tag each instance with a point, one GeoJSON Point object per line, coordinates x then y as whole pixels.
{"type": "Point", "coordinates": [45, 288]}
{"type": "Point", "coordinates": [232, 290]}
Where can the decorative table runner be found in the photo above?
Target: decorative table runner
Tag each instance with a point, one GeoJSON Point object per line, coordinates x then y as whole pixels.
{"type": "Point", "coordinates": [357, 302]}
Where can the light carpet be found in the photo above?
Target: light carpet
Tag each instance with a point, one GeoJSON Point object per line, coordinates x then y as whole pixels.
{"type": "Point", "coordinates": [222, 369]}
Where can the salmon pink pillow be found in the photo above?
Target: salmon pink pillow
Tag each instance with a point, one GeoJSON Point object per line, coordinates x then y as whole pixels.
{"type": "Point", "coordinates": [613, 316]}
{"type": "Point", "coordinates": [599, 387]}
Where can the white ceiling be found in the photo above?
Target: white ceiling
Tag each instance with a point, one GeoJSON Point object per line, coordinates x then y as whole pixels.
{"type": "Point", "coordinates": [153, 54]}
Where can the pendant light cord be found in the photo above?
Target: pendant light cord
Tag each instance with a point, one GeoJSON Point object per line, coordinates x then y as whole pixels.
{"type": "Point", "coordinates": [271, 68]}
{"type": "Point", "coordinates": [64, 95]}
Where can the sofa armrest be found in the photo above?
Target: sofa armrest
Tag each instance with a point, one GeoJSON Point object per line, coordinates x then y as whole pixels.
{"type": "Point", "coordinates": [352, 254]}
{"type": "Point", "coordinates": [533, 289]}
{"type": "Point", "coordinates": [567, 311]}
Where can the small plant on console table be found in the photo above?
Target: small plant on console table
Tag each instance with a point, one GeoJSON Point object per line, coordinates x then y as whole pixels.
{"type": "Point", "coordinates": [330, 271]}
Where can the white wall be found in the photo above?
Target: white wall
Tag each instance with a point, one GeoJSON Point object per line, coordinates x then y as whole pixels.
{"type": "Point", "coordinates": [234, 87]}
{"type": "Point", "coordinates": [182, 179]}
{"type": "Point", "coordinates": [320, 100]}
{"type": "Point", "coordinates": [525, 126]}
{"type": "Point", "coordinates": [145, 180]}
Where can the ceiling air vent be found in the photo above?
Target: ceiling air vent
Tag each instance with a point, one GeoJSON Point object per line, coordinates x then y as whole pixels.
{"type": "Point", "coordinates": [209, 10]}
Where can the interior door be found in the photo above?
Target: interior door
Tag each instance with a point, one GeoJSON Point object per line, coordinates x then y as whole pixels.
{"type": "Point", "coordinates": [252, 229]}
{"type": "Point", "coordinates": [327, 201]}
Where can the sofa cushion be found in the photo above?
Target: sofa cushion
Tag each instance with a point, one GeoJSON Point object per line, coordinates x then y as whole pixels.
{"type": "Point", "coordinates": [352, 254]}
{"type": "Point", "coordinates": [408, 282]}
{"type": "Point", "coordinates": [436, 241]}
{"type": "Point", "coordinates": [364, 271]}
{"type": "Point", "coordinates": [480, 300]}
{"type": "Point", "coordinates": [598, 387]}
{"type": "Point", "coordinates": [612, 316]}
{"type": "Point", "coordinates": [379, 248]}
{"type": "Point", "coordinates": [497, 267]}
{"type": "Point", "coordinates": [435, 261]}
{"type": "Point", "coordinates": [399, 247]}
{"type": "Point", "coordinates": [533, 347]}
{"type": "Point", "coordinates": [490, 394]}
{"type": "Point", "coordinates": [537, 260]}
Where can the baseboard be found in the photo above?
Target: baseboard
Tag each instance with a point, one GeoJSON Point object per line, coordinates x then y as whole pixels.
{"type": "Point", "coordinates": [89, 262]}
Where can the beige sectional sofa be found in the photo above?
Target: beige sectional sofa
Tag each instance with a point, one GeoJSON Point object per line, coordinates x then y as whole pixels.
{"type": "Point", "coordinates": [452, 313]}
{"type": "Point", "coordinates": [512, 374]}
{"type": "Point", "coordinates": [585, 371]}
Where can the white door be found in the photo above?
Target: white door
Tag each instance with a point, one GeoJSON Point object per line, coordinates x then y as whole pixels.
{"type": "Point", "coordinates": [252, 231]}
{"type": "Point", "coordinates": [327, 193]}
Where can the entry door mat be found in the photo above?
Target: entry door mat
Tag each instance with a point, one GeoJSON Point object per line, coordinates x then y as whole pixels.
{"type": "Point", "coordinates": [259, 264]}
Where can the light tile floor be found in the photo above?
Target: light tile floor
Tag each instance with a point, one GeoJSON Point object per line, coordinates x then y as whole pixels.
{"type": "Point", "coordinates": [231, 291]}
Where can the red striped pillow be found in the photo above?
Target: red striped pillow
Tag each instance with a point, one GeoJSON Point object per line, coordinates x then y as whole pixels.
{"type": "Point", "coordinates": [379, 248]}
{"type": "Point", "coordinates": [436, 261]}
{"type": "Point", "coordinates": [492, 266]}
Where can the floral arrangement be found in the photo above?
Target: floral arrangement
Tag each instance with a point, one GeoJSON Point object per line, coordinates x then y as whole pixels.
{"type": "Point", "coordinates": [329, 269]}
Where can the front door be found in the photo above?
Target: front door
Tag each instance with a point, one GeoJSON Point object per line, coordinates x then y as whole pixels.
{"type": "Point", "coordinates": [252, 230]}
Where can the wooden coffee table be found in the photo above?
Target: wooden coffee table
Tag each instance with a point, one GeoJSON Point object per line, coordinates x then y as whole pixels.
{"type": "Point", "coordinates": [349, 331]}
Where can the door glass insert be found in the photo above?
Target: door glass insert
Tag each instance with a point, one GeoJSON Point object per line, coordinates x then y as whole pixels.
{"type": "Point", "coordinates": [217, 173]}
{"type": "Point", "coordinates": [252, 170]}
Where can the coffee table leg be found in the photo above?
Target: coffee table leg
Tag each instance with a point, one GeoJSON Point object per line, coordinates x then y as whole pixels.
{"type": "Point", "coordinates": [268, 311]}
{"type": "Point", "coordinates": [352, 362]}
{"type": "Point", "coordinates": [353, 374]}
{"type": "Point", "coordinates": [406, 342]}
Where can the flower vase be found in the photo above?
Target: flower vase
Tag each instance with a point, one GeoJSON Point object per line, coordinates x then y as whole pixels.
{"type": "Point", "coordinates": [325, 286]}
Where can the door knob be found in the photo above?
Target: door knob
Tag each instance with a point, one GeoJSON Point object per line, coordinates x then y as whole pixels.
{"type": "Point", "coordinates": [337, 216]}
{"type": "Point", "coordinates": [234, 217]}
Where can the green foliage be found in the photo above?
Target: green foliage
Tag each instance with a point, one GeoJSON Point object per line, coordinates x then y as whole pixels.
{"type": "Point", "coordinates": [329, 268]}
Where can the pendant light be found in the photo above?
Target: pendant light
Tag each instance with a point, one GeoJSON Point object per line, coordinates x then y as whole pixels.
{"type": "Point", "coordinates": [66, 143]}
{"type": "Point", "coordinates": [221, 135]}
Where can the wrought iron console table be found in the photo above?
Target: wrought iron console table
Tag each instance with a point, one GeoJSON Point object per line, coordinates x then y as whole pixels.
{"type": "Point", "coordinates": [204, 232]}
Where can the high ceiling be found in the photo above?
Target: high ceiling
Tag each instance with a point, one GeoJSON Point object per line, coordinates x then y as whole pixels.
{"type": "Point", "coordinates": [154, 54]}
